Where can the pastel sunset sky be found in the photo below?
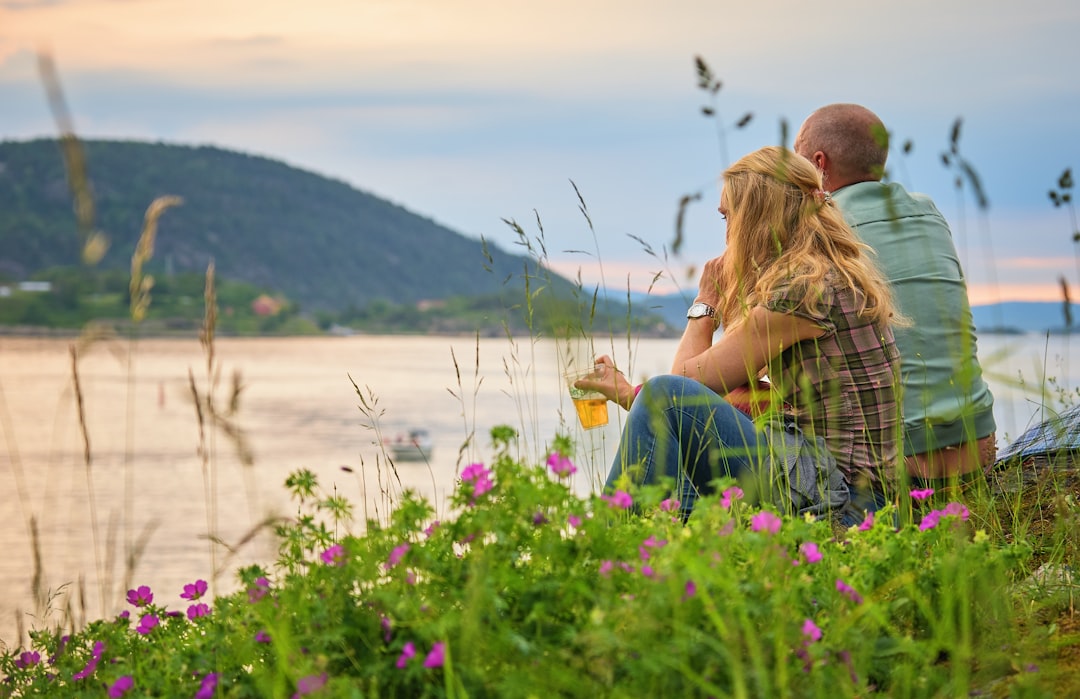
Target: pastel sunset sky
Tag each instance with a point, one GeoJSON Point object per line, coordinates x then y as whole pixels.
{"type": "Point", "coordinates": [470, 112]}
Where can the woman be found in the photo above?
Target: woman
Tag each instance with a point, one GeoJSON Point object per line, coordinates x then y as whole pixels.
{"type": "Point", "coordinates": [801, 302]}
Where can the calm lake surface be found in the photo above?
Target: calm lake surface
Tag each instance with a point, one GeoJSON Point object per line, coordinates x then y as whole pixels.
{"type": "Point", "coordinates": [159, 487]}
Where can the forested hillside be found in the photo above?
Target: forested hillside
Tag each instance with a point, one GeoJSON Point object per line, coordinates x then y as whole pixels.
{"type": "Point", "coordinates": [320, 242]}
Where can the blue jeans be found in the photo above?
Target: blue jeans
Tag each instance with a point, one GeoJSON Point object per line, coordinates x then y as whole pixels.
{"type": "Point", "coordinates": [679, 429]}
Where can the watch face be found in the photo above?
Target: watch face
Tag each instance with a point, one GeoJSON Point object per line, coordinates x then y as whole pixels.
{"type": "Point", "coordinates": [699, 310]}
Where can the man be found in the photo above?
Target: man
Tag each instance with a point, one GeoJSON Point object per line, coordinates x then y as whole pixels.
{"type": "Point", "coordinates": [949, 429]}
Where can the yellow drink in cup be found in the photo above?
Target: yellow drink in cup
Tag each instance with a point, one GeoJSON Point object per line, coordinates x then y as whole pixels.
{"type": "Point", "coordinates": [591, 406]}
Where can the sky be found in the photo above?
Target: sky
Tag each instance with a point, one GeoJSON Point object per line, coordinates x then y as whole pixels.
{"type": "Point", "coordinates": [581, 120]}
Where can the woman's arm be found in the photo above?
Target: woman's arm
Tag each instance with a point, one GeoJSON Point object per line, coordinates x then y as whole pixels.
{"type": "Point", "coordinates": [740, 354]}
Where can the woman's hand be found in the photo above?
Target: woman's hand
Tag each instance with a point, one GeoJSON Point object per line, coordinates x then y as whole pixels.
{"type": "Point", "coordinates": [709, 284]}
{"type": "Point", "coordinates": [610, 381]}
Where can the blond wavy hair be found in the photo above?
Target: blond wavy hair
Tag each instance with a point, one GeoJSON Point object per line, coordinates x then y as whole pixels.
{"type": "Point", "coordinates": [783, 229]}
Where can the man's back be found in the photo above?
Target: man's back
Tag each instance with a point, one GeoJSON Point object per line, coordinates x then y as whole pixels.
{"type": "Point", "coordinates": [946, 401]}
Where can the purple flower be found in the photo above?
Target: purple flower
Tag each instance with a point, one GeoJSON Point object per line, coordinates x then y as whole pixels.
{"type": "Point", "coordinates": [431, 529]}
{"type": "Point", "coordinates": [120, 687]}
{"type": "Point", "coordinates": [396, 555]}
{"type": "Point", "coordinates": [729, 496]}
{"type": "Point", "coordinates": [387, 626]}
{"type": "Point", "coordinates": [195, 611]}
{"type": "Point", "coordinates": [669, 505]}
{"type": "Point", "coordinates": [335, 555]}
{"type": "Point", "coordinates": [690, 590]}
{"type": "Point", "coordinates": [930, 520]}
{"type": "Point", "coordinates": [765, 521]}
{"type": "Point", "coordinates": [810, 550]}
{"type": "Point", "coordinates": [307, 685]}
{"type": "Point", "coordinates": [868, 522]}
{"type": "Point", "coordinates": [539, 518]}
{"type": "Point", "coordinates": [922, 494]}
{"type": "Point", "coordinates": [28, 658]}
{"type": "Point", "coordinates": [574, 521]}
{"type": "Point", "coordinates": [407, 652]}
{"type": "Point", "coordinates": [262, 637]}
{"type": "Point", "coordinates": [621, 500]}
{"type": "Point", "coordinates": [91, 665]}
{"type": "Point", "coordinates": [480, 477]}
{"type": "Point", "coordinates": [194, 591]}
{"type": "Point", "coordinates": [146, 624]}
{"type": "Point", "coordinates": [257, 591]}
{"type": "Point", "coordinates": [848, 591]}
{"type": "Point", "coordinates": [207, 687]}
{"type": "Point", "coordinates": [140, 597]}
{"type": "Point", "coordinates": [605, 568]}
{"type": "Point", "coordinates": [437, 656]}
{"type": "Point", "coordinates": [647, 571]}
{"type": "Point", "coordinates": [561, 465]}
{"type": "Point", "coordinates": [811, 631]}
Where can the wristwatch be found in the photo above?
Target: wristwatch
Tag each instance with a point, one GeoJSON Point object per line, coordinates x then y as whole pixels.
{"type": "Point", "coordinates": [700, 310]}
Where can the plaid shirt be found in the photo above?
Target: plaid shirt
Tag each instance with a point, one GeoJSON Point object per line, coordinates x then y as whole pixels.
{"type": "Point", "coordinates": [843, 385]}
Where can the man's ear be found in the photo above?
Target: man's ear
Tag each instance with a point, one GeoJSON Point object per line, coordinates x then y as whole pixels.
{"type": "Point", "coordinates": [820, 160]}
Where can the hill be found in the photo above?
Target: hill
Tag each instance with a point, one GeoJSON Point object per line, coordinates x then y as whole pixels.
{"type": "Point", "coordinates": [319, 241]}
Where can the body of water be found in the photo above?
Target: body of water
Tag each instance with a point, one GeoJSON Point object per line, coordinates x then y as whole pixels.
{"type": "Point", "coordinates": [160, 484]}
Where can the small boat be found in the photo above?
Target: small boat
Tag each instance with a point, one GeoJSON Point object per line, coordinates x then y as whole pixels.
{"type": "Point", "coordinates": [414, 446]}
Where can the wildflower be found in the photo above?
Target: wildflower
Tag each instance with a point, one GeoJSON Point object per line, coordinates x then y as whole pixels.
{"type": "Point", "coordinates": [561, 465]}
{"type": "Point", "coordinates": [811, 631]}
{"type": "Point", "coordinates": [431, 529]}
{"type": "Point", "coordinates": [194, 591]}
{"type": "Point", "coordinates": [922, 494]}
{"type": "Point", "coordinates": [396, 555]}
{"type": "Point", "coordinates": [956, 509]}
{"type": "Point", "coordinates": [307, 685]}
{"type": "Point", "coordinates": [848, 591]}
{"type": "Point", "coordinates": [123, 616]}
{"type": "Point", "coordinates": [647, 571]}
{"type": "Point", "coordinates": [728, 527]}
{"type": "Point", "coordinates": [930, 520]}
{"type": "Point", "coordinates": [91, 665]}
{"type": "Point", "coordinates": [407, 652]}
{"type": "Point", "coordinates": [140, 597]}
{"type": "Point", "coordinates": [605, 568]}
{"type": "Point", "coordinates": [335, 555]}
{"type": "Point", "coordinates": [765, 521]}
{"type": "Point", "coordinates": [207, 687]}
{"type": "Point", "coordinates": [387, 625]}
{"type": "Point", "coordinates": [257, 591]}
{"type": "Point", "coordinates": [480, 477]}
{"type": "Point", "coordinates": [867, 523]}
{"type": "Point", "coordinates": [437, 656]}
{"type": "Point", "coordinates": [690, 590]}
{"type": "Point", "coordinates": [574, 521]}
{"type": "Point", "coordinates": [146, 624]}
{"type": "Point", "coordinates": [539, 518]}
{"type": "Point", "coordinates": [810, 550]}
{"type": "Point", "coordinates": [669, 505]}
{"type": "Point", "coordinates": [621, 500]}
{"type": "Point", "coordinates": [195, 611]}
{"type": "Point", "coordinates": [262, 637]}
{"type": "Point", "coordinates": [729, 496]}
{"type": "Point", "coordinates": [28, 658]}
{"type": "Point", "coordinates": [410, 578]}
{"type": "Point", "coordinates": [121, 686]}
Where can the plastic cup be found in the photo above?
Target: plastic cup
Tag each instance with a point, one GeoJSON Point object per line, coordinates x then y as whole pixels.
{"type": "Point", "coordinates": [591, 406]}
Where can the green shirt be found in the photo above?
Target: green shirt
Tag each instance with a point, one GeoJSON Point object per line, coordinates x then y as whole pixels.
{"type": "Point", "coordinates": [945, 400]}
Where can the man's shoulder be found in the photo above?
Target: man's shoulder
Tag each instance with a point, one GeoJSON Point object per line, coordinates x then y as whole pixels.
{"type": "Point", "coordinates": [867, 202]}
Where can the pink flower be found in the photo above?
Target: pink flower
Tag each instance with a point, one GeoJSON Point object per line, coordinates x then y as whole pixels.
{"type": "Point", "coordinates": [387, 628]}
{"type": "Point", "coordinates": [121, 686]}
{"type": "Point", "coordinates": [91, 665]}
{"type": "Point", "coordinates": [930, 520]}
{"type": "Point", "coordinates": [146, 624]}
{"type": "Point", "coordinates": [729, 496]}
{"type": "Point", "coordinates": [922, 494]}
{"type": "Point", "coordinates": [309, 684]}
{"type": "Point", "coordinates": [810, 550]}
{"type": "Point", "coordinates": [335, 555]}
{"type": "Point", "coordinates": [605, 568]}
{"type": "Point", "coordinates": [480, 477]}
{"type": "Point", "coordinates": [431, 529]}
{"type": "Point", "coordinates": [140, 597]}
{"type": "Point", "coordinates": [867, 523]}
{"type": "Point", "coordinates": [194, 591]}
{"type": "Point", "coordinates": [407, 652]}
{"type": "Point", "coordinates": [955, 509]}
{"type": "Point", "coordinates": [647, 571]}
{"type": "Point", "coordinates": [561, 465]}
{"type": "Point", "coordinates": [396, 555]}
{"type": "Point", "coordinates": [195, 611]}
{"type": "Point", "coordinates": [257, 591]}
{"type": "Point", "coordinates": [574, 521]}
{"type": "Point", "coordinates": [848, 591]}
{"type": "Point", "coordinates": [690, 590]}
{"type": "Point", "coordinates": [765, 521]}
{"type": "Point", "coordinates": [262, 637]}
{"type": "Point", "coordinates": [811, 631]}
{"type": "Point", "coordinates": [207, 686]}
{"type": "Point", "coordinates": [621, 500]}
{"type": "Point", "coordinates": [437, 656]}
{"type": "Point", "coordinates": [728, 527]}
